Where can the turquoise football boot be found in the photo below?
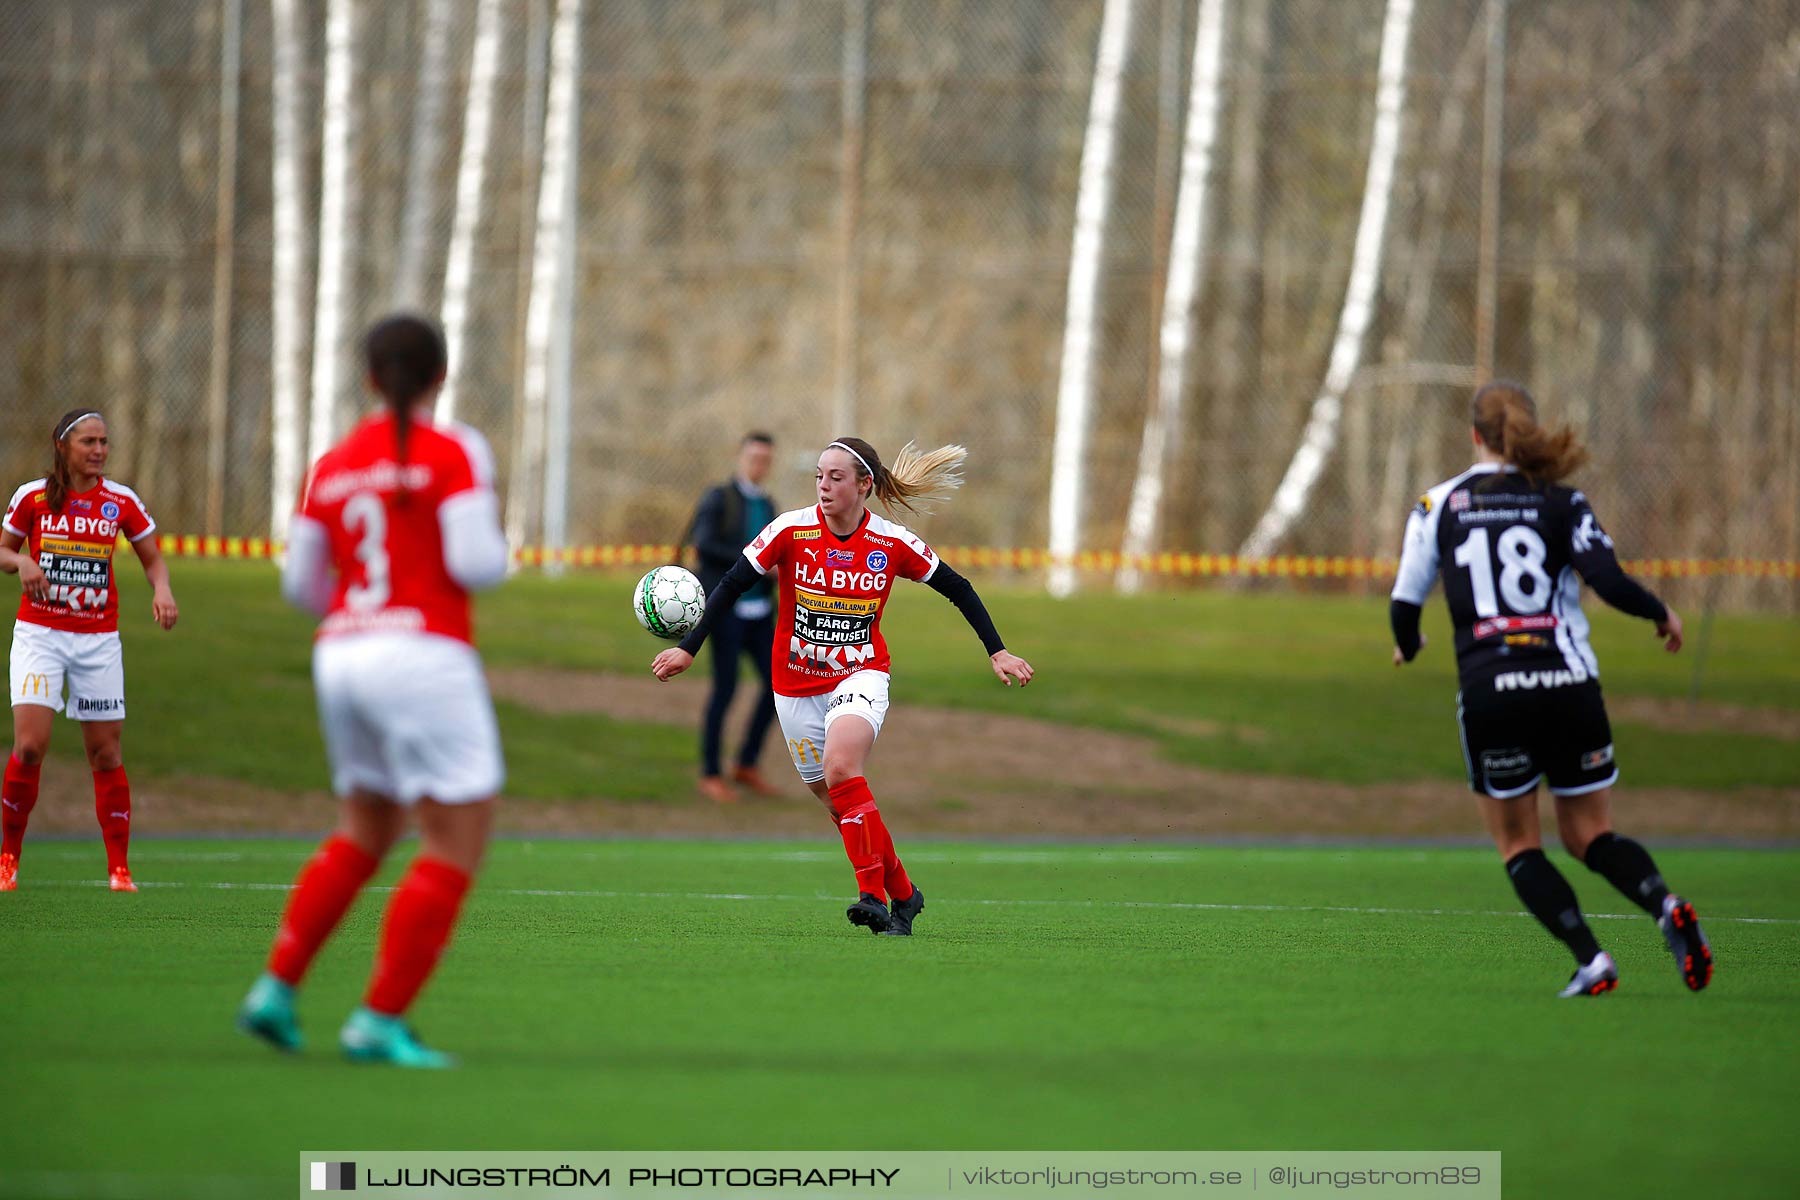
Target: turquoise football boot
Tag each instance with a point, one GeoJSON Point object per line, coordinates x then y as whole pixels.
{"type": "Point", "coordinates": [372, 1037]}
{"type": "Point", "coordinates": [268, 1013]}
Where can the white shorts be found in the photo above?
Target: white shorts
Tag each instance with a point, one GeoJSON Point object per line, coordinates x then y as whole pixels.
{"type": "Point", "coordinates": [805, 719]}
{"type": "Point", "coordinates": [93, 664]}
{"type": "Point", "coordinates": [406, 716]}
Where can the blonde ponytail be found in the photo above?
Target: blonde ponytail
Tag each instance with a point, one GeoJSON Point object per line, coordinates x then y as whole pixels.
{"type": "Point", "coordinates": [920, 478]}
{"type": "Point", "coordinates": [917, 480]}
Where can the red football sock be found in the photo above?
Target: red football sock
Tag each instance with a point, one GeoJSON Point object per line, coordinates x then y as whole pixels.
{"type": "Point", "coordinates": [899, 886]}
{"type": "Point", "coordinates": [859, 824]}
{"type": "Point", "coordinates": [18, 796]}
{"type": "Point", "coordinates": [322, 894]}
{"type": "Point", "coordinates": [418, 924]}
{"type": "Point", "coordinates": [112, 808]}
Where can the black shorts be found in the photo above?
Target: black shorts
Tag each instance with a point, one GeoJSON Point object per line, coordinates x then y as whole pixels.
{"type": "Point", "coordinates": [1513, 739]}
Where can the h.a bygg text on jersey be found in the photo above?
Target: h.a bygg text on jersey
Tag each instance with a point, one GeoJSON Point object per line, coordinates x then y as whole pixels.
{"type": "Point", "coordinates": [833, 588]}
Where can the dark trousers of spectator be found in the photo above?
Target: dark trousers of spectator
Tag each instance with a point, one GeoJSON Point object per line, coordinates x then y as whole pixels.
{"type": "Point", "coordinates": [731, 638]}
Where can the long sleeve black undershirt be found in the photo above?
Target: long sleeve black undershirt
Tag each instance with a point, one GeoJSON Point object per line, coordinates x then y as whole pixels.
{"type": "Point", "coordinates": [740, 579]}
{"type": "Point", "coordinates": [944, 581]}
{"type": "Point", "coordinates": [1404, 618]}
{"type": "Point", "coordinates": [960, 592]}
{"type": "Point", "coordinates": [1613, 585]}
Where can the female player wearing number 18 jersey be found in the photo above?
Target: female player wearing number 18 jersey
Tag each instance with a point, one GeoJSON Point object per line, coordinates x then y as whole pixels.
{"type": "Point", "coordinates": [1512, 542]}
{"type": "Point", "coordinates": [397, 525]}
{"type": "Point", "coordinates": [837, 562]}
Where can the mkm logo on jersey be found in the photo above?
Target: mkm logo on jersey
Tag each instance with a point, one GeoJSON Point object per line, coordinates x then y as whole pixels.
{"type": "Point", "coordinates": [333, 1176]}
{"type": "Point", "coordinates": [841, 556]}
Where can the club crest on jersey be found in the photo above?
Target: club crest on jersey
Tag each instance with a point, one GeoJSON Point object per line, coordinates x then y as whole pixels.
{"type": "Point", "coordinates": [877, 560]}
{"type": "Point", "coordinates": [1424, 505]}
{"type": "Point", "coordinates": [840, 556]}
{"type": "Point", "coordinates": [110, 511]}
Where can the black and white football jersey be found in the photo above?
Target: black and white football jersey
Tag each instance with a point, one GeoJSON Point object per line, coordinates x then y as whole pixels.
{"type": "Point", "coordinates": [1513, 554]}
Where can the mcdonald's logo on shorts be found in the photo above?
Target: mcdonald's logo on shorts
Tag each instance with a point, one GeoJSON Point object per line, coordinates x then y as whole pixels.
{"type": "Point", "coordinates": [35, 684]}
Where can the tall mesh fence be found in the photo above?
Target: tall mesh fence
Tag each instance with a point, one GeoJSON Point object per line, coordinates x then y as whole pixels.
{"type": "Point", "coordinates": [792, 209]}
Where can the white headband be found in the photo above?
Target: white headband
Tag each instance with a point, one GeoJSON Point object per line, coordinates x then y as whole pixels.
{"type": "Point", "coordinates": [853, 454]}
{"type": "Point", "coordinates": [78, 420]}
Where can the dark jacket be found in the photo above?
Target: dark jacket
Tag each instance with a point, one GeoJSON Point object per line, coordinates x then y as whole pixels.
{"type": "Point", "coordinates": [717, 531]}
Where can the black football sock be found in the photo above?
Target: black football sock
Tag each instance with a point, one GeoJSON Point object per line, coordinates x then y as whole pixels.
{"type": "Point", "coordinates": [1552, 901]}
{"type": "Point", "coordinates": [1628, 867]}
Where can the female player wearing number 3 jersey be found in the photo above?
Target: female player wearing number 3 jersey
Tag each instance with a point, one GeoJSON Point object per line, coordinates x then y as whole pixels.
{"type": "Point", "coordinates": [402, 512]}
{"type": "Point", "coordinates": [59, 537]}
{"type": "Point", "coordinates": [837, 562]}
{"type": "Point", "coordinates": [1512, 541]}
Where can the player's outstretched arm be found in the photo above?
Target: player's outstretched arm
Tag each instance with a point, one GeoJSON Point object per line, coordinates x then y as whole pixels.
{"type": "Point", "coordinates": [670, 663]}
{"type": "Point", "coordinates": [1008, 667]}
{"type": "Point", "coordinates": [156, 570]}
{"type": "Point", "coordinates": [1591, 551]}
{"type": "Point", "coordinates": [960, 592]}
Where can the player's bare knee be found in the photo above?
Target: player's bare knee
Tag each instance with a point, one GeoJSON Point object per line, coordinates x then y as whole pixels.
{"type": "Point", "coordinates": [1511, 848]}
{"type": "Point", "coordinates": [373, 823]}
{"type": "Point", "coordinates": [106, 759]}
{"type": "Point", "coordinates": [1578, 835]}
{"type": "Point", "coordinates": [839, 770]}
{"type": "Point", "coordinates": [456, 833]}
{"type": "Point", "coordinates": [30, 751]}
{"type": "Point", "coordinates": [104, 754]}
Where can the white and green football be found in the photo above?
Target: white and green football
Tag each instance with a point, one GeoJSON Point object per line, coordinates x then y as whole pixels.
{"type": "Point", "coordinates": [669, 602]}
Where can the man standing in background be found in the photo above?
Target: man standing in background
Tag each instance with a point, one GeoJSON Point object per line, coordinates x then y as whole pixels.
{"type": "Point", "coordinates": [730, 515]}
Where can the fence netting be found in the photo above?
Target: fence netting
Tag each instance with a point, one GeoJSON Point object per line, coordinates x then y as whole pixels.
{"type": "Point", "coordinates": [795, 212]}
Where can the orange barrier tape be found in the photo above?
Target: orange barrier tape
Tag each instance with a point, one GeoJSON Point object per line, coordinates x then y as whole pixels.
{"type": "Point", "coordinates": [1202, 566]}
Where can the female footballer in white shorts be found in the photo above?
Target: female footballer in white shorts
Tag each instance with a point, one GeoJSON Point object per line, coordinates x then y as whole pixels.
{"type": "Point", "coordinates": [397, 525]}
{"type": "Point", "coordinates": [59, 536]}
{"type": "Point", "coordinates": [837, 562]}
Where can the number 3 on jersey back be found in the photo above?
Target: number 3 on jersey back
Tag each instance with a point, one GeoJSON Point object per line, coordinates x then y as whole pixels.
{"type": "Point", "coordinates": [1522, 554]}
{"type": "Point", "coordinates": [365, 511]}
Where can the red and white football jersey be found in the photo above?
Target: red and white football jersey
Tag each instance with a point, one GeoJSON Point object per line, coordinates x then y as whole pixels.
{"type": "Point", "coordinates": [75, 549]}
{"type": "Point", "coordinates": [381, 519]}
{"type": "Point", "coordinates": [828, 619]}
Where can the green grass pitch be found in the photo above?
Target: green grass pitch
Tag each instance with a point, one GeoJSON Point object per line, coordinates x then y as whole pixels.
{"type": "Point", "coordinates": [659, 995]}
{"type": "Point", "coordinates": [709, 995]}
{"type": "Point", "coordinates": [1310, 673]}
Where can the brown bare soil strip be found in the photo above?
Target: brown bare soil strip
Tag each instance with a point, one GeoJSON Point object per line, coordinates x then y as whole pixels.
{"type": "Point", "coordinates": [942, 771]}
{"type": "Point", "coordinates": [1678, 716]}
